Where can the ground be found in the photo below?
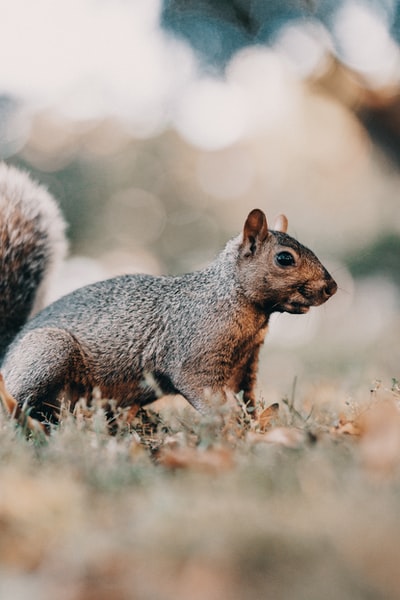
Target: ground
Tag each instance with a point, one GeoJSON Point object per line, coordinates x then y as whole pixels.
{"type": "Point", "coordinates": [297, 503]}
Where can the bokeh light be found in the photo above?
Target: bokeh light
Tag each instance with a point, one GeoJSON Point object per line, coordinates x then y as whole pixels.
{"type": "Point", "coordinates": [365, 43]}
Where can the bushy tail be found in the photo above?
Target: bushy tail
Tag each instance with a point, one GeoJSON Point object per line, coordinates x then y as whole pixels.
{"type": "Point", "coordinates": [32, 242]}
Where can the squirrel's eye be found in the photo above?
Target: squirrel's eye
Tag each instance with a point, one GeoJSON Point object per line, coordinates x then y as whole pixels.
{"type": "Point", "coordinates": [285, 259]}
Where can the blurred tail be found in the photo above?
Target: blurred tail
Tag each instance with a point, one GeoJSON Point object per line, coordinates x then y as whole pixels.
{"type": "Point", "coordinates": [32, 243]}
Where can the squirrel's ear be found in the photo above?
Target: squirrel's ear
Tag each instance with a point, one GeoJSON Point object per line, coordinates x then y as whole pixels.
{"type": "Point", "coordinates": [255, 230]}
{"type": "Point", "coordinates": [281, 224]}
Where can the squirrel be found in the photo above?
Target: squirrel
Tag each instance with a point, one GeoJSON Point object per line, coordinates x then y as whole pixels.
{"type": "Point", "coordinates": [137, 337]}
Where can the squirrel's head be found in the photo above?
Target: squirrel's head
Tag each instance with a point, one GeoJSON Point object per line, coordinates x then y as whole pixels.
{"type": "Point", "coordinates": [278, 273]}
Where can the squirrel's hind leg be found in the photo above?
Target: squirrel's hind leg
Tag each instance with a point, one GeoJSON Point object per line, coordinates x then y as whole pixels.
{"type": "Point", "coordinates": [40, 366]}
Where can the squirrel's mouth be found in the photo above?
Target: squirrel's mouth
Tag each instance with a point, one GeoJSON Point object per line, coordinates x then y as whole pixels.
{"type": "Point", "coordinates": [297, 308]}
{"type": "Point", "coordinates": [303, 305]}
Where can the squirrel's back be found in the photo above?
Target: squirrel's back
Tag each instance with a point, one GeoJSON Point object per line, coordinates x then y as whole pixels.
{"type": "Point", "coordinates": [32, 243]}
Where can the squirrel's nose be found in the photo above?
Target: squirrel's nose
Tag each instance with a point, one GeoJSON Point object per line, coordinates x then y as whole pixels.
{"type": "Point", "coordinates": [330, 288]}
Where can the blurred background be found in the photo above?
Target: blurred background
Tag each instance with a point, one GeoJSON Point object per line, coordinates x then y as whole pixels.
{"type": "Point", "coordinates": [159, 125]}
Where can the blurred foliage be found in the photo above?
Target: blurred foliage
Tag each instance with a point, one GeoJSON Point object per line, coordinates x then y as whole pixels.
{"type": "Point", "coordinates": [218, 29]}
{"type": "Point", "coordinates": [298, 504]}
{"type": "Point", "coordinates": [380, 257]}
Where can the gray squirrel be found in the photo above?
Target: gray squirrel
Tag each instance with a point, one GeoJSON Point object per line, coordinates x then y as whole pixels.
{"type": "Point", "coordinates": [137, 337]}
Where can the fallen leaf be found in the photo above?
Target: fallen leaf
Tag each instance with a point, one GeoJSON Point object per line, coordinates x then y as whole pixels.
{"type": "Point", "coordinates": [290, 437]}
{"type": "Point", "coordinates": [267, 416]}
{"type": "Point", "coordinates": [14, 410]}
{"type": "Point", "coordinates": [380, 441]}
{"type": "Point", "coordinates": [211, 460]}
{"type": "Point", "coordinates": [348, 428]}
{"type": "Point", "coordinates": [177, 440]}
{"type": "Point", "coordinates": [9, 403]}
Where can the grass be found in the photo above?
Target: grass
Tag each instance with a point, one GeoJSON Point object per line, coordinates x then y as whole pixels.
{"type": "Point", "coordinates": [297, 504]}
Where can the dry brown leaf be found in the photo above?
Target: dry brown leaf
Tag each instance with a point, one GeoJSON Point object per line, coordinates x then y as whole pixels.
{"type": "Point", "coordinates": [176, 440]}
{"type": "Point", "coordinates": [380, 441]}
{"type": "Point", "coordinates": [212, 460]}
{"type": "Point", "coordinates": [9, 403]}
{"type": "Point", "coordinates": [267, 416]}
{"type": "Point", "coordinates": [348, 427]}
{"type": "Point", "coordinates": [378, 430]}
{"type": "Point", "coordinates": [291, 437]}
{"type": "Point", "coordinates": [15, 411]}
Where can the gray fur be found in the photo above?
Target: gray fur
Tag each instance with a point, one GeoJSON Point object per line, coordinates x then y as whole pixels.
{"type": "Point", "coordinates": [137, 336]}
